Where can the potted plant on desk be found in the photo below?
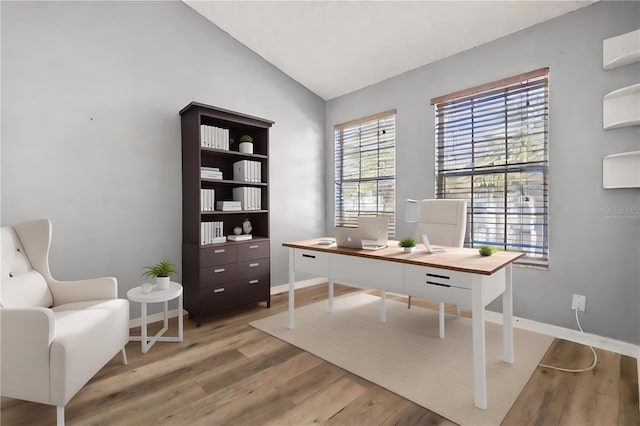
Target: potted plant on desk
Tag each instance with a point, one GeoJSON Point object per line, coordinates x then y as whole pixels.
{"type": "Point", "coordinates": [408, 244]}
{"type": "Point", "coordinates": [162, 272]}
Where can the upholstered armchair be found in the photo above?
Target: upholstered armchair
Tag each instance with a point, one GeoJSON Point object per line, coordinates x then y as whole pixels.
{"type": "Point", "coordinates": [55, 335]}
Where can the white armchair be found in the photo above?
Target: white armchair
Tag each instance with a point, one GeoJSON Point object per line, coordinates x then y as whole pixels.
{"type": "Point", "coordinates": [55, 335]}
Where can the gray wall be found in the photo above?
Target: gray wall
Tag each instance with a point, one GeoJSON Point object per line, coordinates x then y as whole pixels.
{"type": "Point", "coordinates": [90, 139]}
{"type": "Point", "coordinates": [91, 132]}
{"type": "Point", "coordinates": [594, 233]}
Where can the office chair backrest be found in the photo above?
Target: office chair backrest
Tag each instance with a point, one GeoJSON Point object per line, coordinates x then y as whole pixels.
{"type": "Point", "coordinates": [444, 222]}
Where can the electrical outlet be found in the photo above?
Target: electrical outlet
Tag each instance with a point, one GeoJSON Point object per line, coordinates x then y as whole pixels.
{"type": "Point", "coordinates": [578, 302]}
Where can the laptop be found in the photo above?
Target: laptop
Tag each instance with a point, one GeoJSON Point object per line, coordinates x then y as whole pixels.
{"type": "Point", "coordinates": [347, 236]}
{"type": "Point", "coordinates": [370, 234]}
{"type": "Point", "coordinates": [374, 231]}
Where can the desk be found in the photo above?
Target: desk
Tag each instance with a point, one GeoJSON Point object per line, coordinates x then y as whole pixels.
{"type": "Point", "coordinates": [459, 276]}
{"type": "Point", "coordinates": [155, 296]}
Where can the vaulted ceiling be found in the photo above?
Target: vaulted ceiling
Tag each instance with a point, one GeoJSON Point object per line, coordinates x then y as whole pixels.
{"type": "Point", "coordinates": [336, 47]}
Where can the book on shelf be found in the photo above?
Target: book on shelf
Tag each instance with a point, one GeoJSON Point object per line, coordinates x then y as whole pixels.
{"type": "Point", "coordinates": [214, 137]}
{"type": "Point", "coordinates": [247, 171]}
{"type": "Point", "coordinates": [212, 232]}
{"type": "Point", "coordinates": [229, 205]}
{"type": "Point", "coordinates": [250, 198]}
{"type": "Point", "coordinates": [241, 237]}
{"type": "Point", "coordinates": [210, 173]}
{"type": "Point", "coordinates": [207, 199]}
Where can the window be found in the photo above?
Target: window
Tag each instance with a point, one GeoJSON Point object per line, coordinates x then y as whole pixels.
{"type": "Point", "coordinates": [365, 169]}
{"type": "Point", "coordinates": [492, 150]}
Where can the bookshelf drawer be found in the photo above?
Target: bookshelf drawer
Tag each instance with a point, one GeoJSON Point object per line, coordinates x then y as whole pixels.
{"type": "Point", "coordinates": [219, 255]}
{"type": "Point", "coordinates": [255, 289]}
{"type": "Point", "coordinates": [253, 268]}
{"type": "Point", "coordinates": [253, 250]}
{"type": "Point", "coordinates": [218, 298]}
{"type": "Point", "coordinates": [218, 274]}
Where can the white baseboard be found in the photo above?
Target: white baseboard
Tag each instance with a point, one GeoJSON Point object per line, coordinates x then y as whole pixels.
{"type": "Point", "coordinates": [283, 288]}
{"type": "Point", "coordinates": [594, 340]}
{"type": "Point", "coordinates": [606, 343]}
{"type": "Point", "coordinates": [612, 345]}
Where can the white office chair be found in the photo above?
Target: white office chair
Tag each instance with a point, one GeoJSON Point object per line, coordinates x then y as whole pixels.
{"type": "Point", "coordinates": [444, 221]}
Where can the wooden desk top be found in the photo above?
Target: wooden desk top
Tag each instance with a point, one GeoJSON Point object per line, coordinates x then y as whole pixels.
{"type": "Point", "coordinates": [455, 258]}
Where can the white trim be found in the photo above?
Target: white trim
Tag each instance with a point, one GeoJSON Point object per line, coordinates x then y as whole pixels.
{"type": "Point", "coordinates": [612, 345]}
{"type": "Point", "coordinates": [283, 288]}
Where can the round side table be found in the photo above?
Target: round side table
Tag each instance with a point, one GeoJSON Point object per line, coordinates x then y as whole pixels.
{"type": "Point", "coordinates": [156, 296]}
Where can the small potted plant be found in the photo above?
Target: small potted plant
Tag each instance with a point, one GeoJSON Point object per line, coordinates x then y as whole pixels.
{"type": "Point", "coordinates": [408, 244]}
{"type": "Point", "coordinates": [162, 272]}
{"type": "Point", "coordinates": [246, 144]}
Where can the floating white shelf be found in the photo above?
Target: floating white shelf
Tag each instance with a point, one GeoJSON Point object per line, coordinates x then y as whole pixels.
{"type": "Point", "coordinates": [621, 108]}
{"type": "Point", "coordinates": [621, 50]}
{"type": "Point", "coordinates": [621, 170]}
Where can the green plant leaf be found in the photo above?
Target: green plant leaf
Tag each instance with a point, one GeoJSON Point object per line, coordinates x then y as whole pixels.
{"type": "Point", "coordinates": [164, 268]}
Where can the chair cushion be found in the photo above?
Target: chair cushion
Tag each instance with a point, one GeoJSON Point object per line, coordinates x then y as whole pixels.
{"type": "Point", "coordinates": [20, 286]}
{"type": "Point", "coordinates": [26, 290]}
{"type": "Point", "coordinates": [88, 335]}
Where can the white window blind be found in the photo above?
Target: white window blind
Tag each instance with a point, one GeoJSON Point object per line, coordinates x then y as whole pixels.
{"type": "Point", "coordinates": [365, 169]}
{"type": "Point", "coordinates": [492, 149]}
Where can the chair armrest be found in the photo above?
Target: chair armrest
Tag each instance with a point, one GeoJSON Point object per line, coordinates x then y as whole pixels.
{"type": "Point", "coordinates": [26, 335]}
{"type": "Point", "coordinates": [82, 290]}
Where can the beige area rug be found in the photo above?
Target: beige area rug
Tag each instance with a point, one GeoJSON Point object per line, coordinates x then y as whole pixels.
{"type": "Point", "coordinates": [405, 355]}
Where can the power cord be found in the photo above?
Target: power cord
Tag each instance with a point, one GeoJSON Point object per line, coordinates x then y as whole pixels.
{"type": "Point", "coordinates": [595, 356]}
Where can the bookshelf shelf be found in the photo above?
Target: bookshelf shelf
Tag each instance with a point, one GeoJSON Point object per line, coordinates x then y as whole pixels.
{"type": "Point", "coordinates": [219, 277]}
{"type": "Point", "coordinates": [621, 50]}
{"type": "Point", "coordinates": [621, 107]}
{"type": "Point", "coordinates": [621, 170]}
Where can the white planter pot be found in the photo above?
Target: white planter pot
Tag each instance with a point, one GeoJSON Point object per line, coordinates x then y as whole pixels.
{"type": "Point", "coordinates": [246, 147]}
{"type": "Point", "coordinates": [409, 249]}
{"type": "Point", "coordinates": [163, 282]}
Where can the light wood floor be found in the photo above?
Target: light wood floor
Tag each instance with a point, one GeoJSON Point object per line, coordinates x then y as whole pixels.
{"type": "Point", "coordinates": [226, 372]}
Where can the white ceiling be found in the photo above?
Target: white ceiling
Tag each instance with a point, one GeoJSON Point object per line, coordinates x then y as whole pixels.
{"type": "Point", "coordinates": [336, 47]}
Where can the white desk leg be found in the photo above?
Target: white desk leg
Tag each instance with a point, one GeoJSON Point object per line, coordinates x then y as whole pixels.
{"type": "Point", "coordinates": [291, 289]}
{"type": "Point", "coordinates": [507, 313]}
{"type": "Point", "coordinates": [479, 354]}
{"type": "Point", "coordinates": [180, 319]}
{"type": "Point", "coordinates": [441, 319]}
{"type": "Point", "coordinates": [383, 306]}
{"type": "Point", "coordinates": [143, 327]}
{"type": "Point", "coordinates": [330, 295]}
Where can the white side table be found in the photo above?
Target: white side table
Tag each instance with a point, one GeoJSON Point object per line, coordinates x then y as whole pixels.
{"type": "Point", "coordinates": [155, 296]}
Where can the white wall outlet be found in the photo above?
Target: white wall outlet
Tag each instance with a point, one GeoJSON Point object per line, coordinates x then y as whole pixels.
{"type": "Point", "coordinates": [578, 302]}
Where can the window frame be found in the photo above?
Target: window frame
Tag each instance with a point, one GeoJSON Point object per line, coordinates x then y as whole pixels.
{"type": "Point", "coordinates": [445, 108]}
{"type": "Point", "coordinates": [363, 131]}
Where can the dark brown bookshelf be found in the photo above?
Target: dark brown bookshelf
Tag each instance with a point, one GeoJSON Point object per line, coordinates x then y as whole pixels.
{"type": "Point", "coordinates": [226, 276]}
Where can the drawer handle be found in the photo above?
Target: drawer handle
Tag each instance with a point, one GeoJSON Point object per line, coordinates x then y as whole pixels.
{"type": "Point", "coordinates": [217, 271]}
{"type": "Point", "coordinates": [219, 251]}
{"type": "Point", "coordinates": [444, 277]}
{"type": "Point", "coordinates": [253, 265]}
{"type": "Point", "coordinates": [253, 282]}
{"type": "Point", "coordinates": [218, 290]}
{"type": "Point", "coordinates": [255, 246]}
{"type": "Point", "coordinates": [310, 256]}
{"type": "Point", "coordinates": [440, 284]}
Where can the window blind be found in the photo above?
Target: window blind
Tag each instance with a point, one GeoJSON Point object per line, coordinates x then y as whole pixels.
{"type": "Point", "coordinates": [365, 169]}
{"type": "Point", "coordinates": [492, 150]}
